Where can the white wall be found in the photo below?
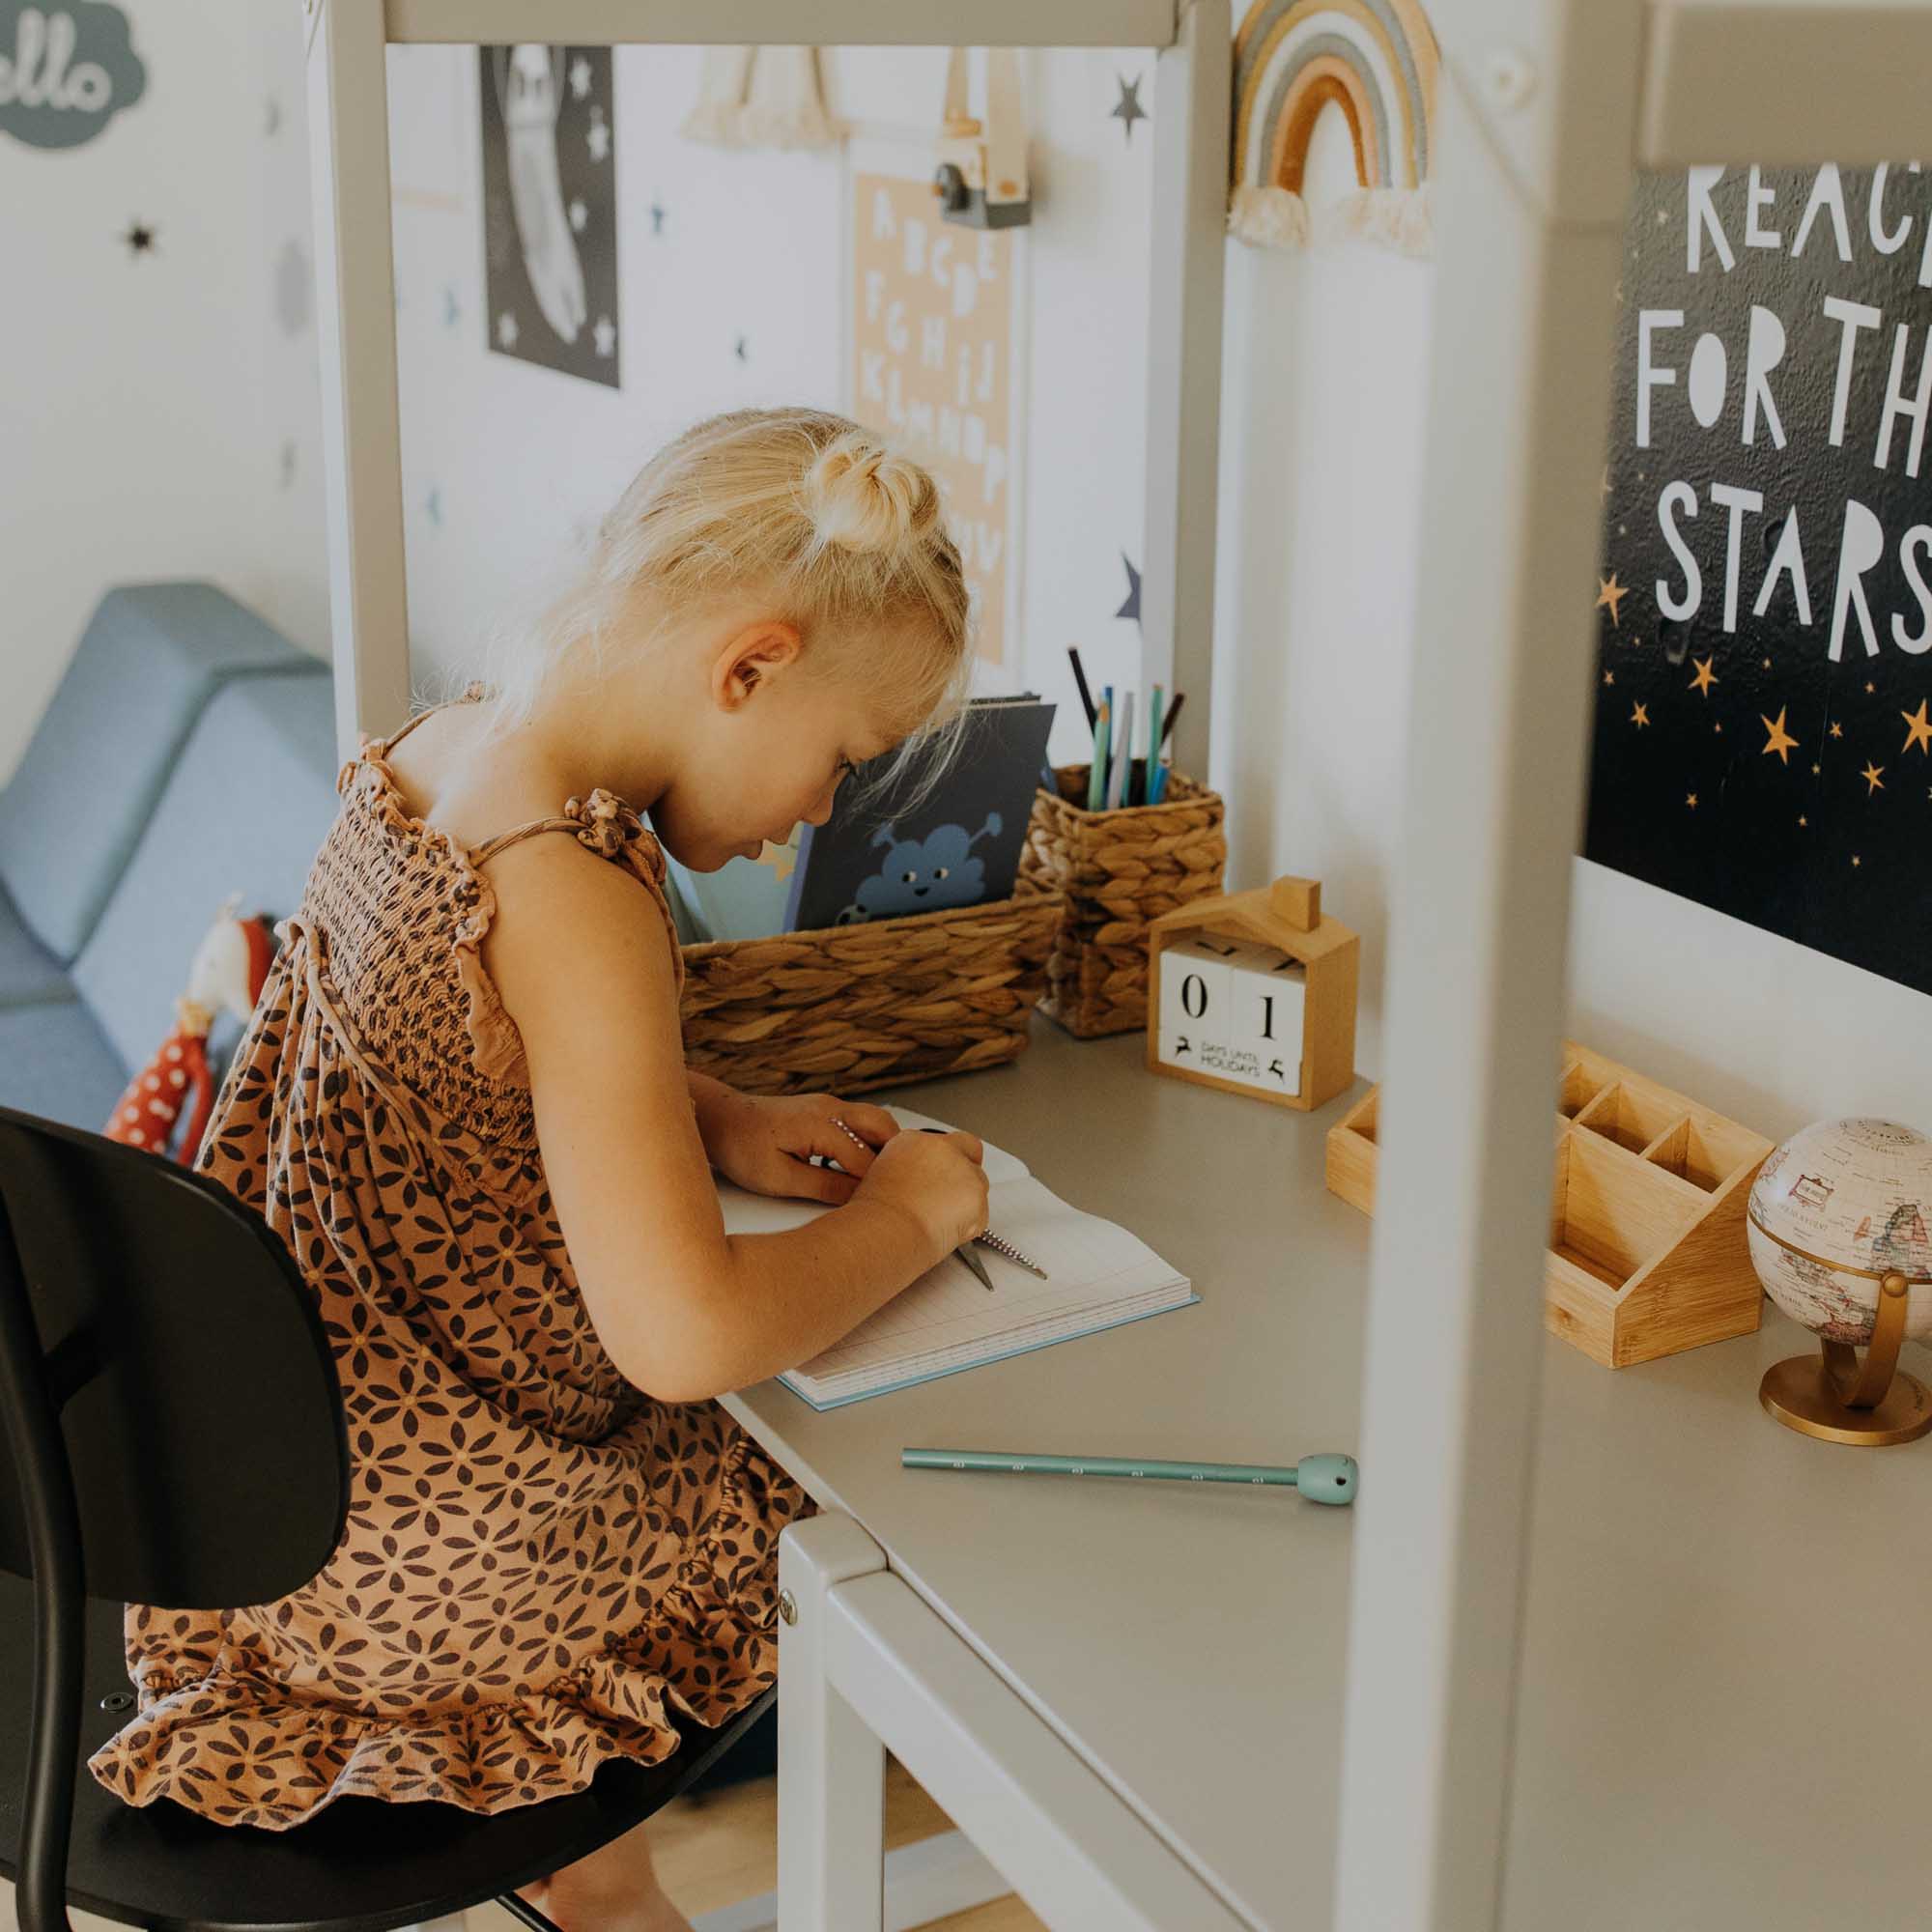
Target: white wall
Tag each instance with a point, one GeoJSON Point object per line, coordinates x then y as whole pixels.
{"type": "Point", "coordinates": [178, 465]}
{"type": "Point", "coordinates": [131, 387]}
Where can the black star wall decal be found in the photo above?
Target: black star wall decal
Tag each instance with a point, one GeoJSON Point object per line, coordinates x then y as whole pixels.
{"type": "Point", "coordinates": [1128, 109]}
{"type": "Point", "coordinates": [1131, 608]}
{"type": "Point", "coordinates": [139, 238]}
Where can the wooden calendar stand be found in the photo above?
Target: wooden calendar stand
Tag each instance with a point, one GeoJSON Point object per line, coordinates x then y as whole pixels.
{"type": "Point", "coordinates": [1286, 916]}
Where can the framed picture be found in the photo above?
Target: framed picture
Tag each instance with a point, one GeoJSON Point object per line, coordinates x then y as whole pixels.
{"type": "Point", "coordinates": [550, 208]}
{"type": "Point", "coordinates": [935, 357]}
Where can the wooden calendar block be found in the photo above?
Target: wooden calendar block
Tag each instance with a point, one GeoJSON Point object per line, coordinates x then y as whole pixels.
{"type": "Point", "coordinates": [1192, 1013]}
{"type": "Point", "coordinates": [1290, 971]}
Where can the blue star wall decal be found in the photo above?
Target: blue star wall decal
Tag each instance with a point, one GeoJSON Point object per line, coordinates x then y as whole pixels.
{"type": "Point", "coordinates": [1128, 109]}
{"type": "Point", "coordinates": [1132, 607]}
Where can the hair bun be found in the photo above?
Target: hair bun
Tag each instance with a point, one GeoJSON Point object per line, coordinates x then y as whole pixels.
{"type": "Point", "coordinates": [863, 496]}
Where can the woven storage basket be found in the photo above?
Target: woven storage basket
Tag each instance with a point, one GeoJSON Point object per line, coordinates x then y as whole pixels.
{"type": "Point", "coordinates": [1117, 870]}
{"type": "Point", "coordinates": [874, 1004]}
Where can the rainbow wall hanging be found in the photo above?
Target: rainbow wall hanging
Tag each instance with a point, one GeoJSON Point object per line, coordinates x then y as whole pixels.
{"type": "Point", "coordinates": [1373, 59]}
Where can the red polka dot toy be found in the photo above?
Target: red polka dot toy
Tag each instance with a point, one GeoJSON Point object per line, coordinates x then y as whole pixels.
{"type": "Point", "coordinates": [230, 967]}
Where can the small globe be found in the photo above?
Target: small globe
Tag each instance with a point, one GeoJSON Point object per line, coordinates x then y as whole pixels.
{"type": "Point", "coordinates": [1840, 1205]}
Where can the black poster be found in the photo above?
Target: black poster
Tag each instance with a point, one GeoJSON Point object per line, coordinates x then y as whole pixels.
{"type": "Point", "coordinates": [1763, 737]}
{"type": "Point", "coordinates": [550, 208]}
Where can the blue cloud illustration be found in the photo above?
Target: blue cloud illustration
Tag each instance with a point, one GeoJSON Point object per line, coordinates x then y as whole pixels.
{"type": "Point", "coordinates": [66, 67]}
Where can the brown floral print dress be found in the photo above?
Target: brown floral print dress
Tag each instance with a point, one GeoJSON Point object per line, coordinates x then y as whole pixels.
{"type": "Point", "coordinates": [540, 1560]}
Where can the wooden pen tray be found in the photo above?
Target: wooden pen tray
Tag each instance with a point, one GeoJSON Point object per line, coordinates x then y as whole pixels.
{"type": "Point", "coordinates": [1647, 1253]}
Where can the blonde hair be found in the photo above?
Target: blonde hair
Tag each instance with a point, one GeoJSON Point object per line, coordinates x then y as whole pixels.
{"type": "Point", "coordinates": [843, 534]}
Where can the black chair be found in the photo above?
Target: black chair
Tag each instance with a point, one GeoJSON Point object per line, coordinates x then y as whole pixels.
{"type": "Point", "coordinates": [148, 1326]}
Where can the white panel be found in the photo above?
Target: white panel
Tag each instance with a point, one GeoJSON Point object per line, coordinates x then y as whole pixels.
{"type": "Point", "coordinates": [1520, 397]}
{"type": "Point", "coordinates": [859, 23]}
{"type": "Point", "coordinates": [1785, 82]}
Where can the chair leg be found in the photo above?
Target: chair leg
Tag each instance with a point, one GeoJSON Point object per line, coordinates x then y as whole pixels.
{"type": "Point", "coordinates": [831, 1768]}
{"type": "Point", "coordinates": [523, 1909]}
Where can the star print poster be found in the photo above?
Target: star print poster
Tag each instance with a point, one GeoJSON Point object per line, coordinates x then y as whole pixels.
{"type": "Point", "coordinates": [550, 208]}
{"type": "Point", "coordinates": [1763, 735]}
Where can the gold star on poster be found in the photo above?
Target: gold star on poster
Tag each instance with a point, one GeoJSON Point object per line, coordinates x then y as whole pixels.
{"type": "Point", "coordinates": [1870, 775]}
{"type": "Point", "coordinates": [780, 857]}
{"type": "Point", "coordinates": [1870, 686]}
{"type": "Point", "coordinates": [1817, 769]}
{"type": "Point", "coordinates": [1609, 591]}
{"type": "Point", "coordinates": [1705, 677]}
{"type": "Point", "coordinates": [1767, 663]}
{"type": "Point", "coordinates": [1919, 728]}
{"type": "Point", "coordinates": [1609, 677]}
{"type": "Point", "coordinates": [1780, 741]}
{"type": "Point", "coordinates": [1640, 717]}
{"type": "Point", "coordinates": [1855, 860]}
{"type": "Point", "coordinates": [1837, 730]}
{"type": "Point", "coordinates": [1718, 727]}
{"type": "Point", "coordinates": [1803, 820]}
{"type": "Point", "coordinates": [1690, 798]}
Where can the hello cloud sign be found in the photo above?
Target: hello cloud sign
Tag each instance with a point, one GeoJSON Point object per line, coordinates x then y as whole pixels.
{"type": "Point", "coordinates": [66, 70]}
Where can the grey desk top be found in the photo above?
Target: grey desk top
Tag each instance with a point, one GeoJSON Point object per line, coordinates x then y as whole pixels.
{"type": "Point", "coordinates": [1715, 1602]}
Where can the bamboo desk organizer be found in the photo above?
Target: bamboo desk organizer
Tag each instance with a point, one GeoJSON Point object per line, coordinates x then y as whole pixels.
{"type": "Point", "coordinates": [1287, 915]}
{"type": "Point", "coordinates": [1647, 1253]}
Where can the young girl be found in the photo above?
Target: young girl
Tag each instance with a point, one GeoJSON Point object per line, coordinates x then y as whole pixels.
{"type": "Point", "coordinates": [462, 1103]}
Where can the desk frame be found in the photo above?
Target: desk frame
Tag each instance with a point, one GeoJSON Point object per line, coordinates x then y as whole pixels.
{"type": "Point", "coordinates": [1544, 106]}
{"type": "Point", "coordinates": [866, 1664]}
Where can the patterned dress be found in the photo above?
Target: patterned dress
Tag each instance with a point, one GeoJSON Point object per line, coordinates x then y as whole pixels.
{"type": "Point", "coordinates": [540, 1560]}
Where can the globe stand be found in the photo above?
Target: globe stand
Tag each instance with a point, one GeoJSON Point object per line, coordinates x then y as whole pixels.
{"type": "Point", "coordinates": [1834, 1396]}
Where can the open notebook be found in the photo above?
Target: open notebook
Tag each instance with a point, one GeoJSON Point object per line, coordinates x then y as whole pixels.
{"type": "Point", "coordinates": [1100, 1275]}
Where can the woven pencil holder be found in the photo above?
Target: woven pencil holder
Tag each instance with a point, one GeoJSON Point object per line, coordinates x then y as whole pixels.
{"type": "Point", "coordinates": [1117, 870]}
{"type": "Point", "coordinates": [873, 1003]}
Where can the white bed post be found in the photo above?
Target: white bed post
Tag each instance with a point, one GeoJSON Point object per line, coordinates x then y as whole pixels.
{"type": "Point", "coordinates": [1533, 140]}
{"type": "Point", "coordinates": [355, 314]}
{"type": "Point", "coordinates": [1193, 79]}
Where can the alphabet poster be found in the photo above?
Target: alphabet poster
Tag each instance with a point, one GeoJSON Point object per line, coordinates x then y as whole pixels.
{"type": "Point", "coordinates": [932, 347]}
{"type": "Point", "coordinates": [1763, 737]}
{"type": "Point", "coordinates": [550, 208]}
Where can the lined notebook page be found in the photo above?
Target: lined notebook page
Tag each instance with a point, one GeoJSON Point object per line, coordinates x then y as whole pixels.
{"type": "Point", "coordinates": [1098, 1273]}
{"type": "Point", "coordinates": [1088, 1260]}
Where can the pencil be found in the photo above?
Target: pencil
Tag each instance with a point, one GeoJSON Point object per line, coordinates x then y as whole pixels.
{"type": "Point", "coordinates": [1323, 1479]}
{"type": "Point", "coordinates": [1097, 772]}
{"type": "Point", "coordinates": [1080, 678]}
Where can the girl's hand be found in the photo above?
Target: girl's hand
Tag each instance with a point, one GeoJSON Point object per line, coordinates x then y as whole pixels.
{"type": "Point", "coordinates": [765, 1144]}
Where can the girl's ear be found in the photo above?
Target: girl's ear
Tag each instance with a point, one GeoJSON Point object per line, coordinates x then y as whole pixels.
{"type": "Point", "coordinates": [750, 655]}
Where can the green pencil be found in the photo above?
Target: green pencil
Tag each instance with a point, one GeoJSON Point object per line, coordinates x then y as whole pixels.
{"type": "Point", "coordinates": [1321, 1479]}
{"type": "Point", "coordinates": [1096, 772]}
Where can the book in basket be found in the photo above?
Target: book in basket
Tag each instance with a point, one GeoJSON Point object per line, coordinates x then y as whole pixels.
{"type": "Point", "coordinates": [1098, 1276]}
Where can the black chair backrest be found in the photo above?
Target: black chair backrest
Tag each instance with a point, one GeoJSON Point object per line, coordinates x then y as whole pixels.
{"type": "Point", "coordinates": [199, 1405]}
{"type": "Point", "coordinates": [172, 1423]}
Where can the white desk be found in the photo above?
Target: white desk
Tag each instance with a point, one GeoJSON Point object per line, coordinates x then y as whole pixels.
{"type": "Point", "coordinates": [1706, 1737]}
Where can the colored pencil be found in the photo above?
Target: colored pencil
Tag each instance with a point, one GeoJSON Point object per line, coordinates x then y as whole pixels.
{"type": "Point", "coordinates": [1080, 678]}
{"type": "Point", "coordinates": [1097, 772]}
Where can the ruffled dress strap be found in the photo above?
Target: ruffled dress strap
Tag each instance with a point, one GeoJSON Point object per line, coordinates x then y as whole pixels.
{"type": "Point", "coordinates": [602, 823]}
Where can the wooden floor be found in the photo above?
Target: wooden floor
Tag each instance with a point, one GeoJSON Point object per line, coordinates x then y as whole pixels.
{"type": "Point", "coordinates": [717, 1849]}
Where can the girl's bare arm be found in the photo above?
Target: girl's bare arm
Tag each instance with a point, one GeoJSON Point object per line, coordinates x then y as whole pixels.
{"type": "Point", "coordinates": [580, 958]}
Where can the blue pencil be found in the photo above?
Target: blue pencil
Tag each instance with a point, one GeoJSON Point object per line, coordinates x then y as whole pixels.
{"type": "Point", "coordinates": [1097, 775]}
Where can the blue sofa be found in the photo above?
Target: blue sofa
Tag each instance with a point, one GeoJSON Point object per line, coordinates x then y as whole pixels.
{"type": "Point", "coordinates": [188, 753]}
